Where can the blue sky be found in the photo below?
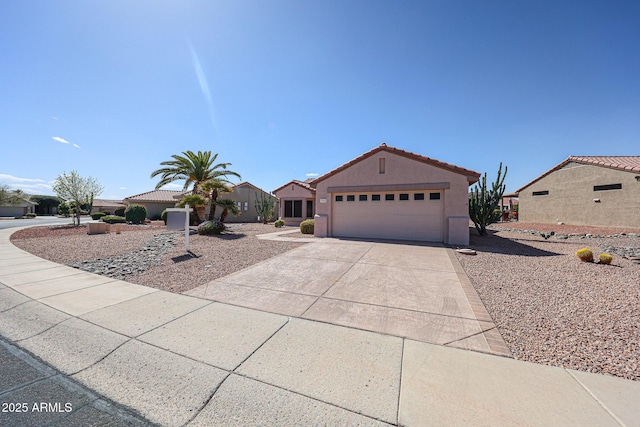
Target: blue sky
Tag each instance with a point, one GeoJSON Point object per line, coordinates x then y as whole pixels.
{"type": "Point", "coordinates": [287, 89]}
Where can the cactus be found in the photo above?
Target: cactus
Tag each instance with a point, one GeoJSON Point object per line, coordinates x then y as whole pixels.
{"type": "Point", "coordinates": [279, 223]}
{"type": "Point", "coordinates": [265, 207]}
{"type": "Point", "coordinates": [483, 203]}
{"type": "Point", "coordinates": [605, 259]}
{"type": "Point", "coordinates": [585, 255]}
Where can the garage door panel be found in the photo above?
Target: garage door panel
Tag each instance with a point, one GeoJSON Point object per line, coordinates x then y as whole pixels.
{"type": "Point", "coordinates": [388, 219]}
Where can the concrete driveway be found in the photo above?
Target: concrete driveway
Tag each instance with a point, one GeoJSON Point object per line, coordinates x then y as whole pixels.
{"type": "Point", "coordinates": [416, 291]}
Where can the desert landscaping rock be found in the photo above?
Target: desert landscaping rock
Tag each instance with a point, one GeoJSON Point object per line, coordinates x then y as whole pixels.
{"type": "Point", "coordinates": [132, 263]}
{"type": "Point", "coordinates": [552, 309]}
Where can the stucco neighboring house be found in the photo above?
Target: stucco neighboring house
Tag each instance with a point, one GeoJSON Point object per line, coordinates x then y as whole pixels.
{"type": "Point", "coordinates": [585, 190]}
{"type": "Point", "coordinates": [394, 194]}
{"type": "Point", "coordinates": [104, 205]}
{"type": "Point", "coordinates": [297, 201]}
{"type": "Point", "coordinates": [18, 209]}
{"type": "Point", "coordinates": [155, 201]}
{"type": "Point", "coordinates": [245, 195]}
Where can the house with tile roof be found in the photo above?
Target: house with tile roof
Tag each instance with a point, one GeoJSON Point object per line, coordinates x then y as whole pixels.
{"type": "Point", "coordinates": [297, 201]}
{"type": "Point", "coordinates": [156, 201]}
{"type": "Point", "coordinates": [245, 195]}
{"type": "Point", "coordinates": [386, 193]}
{"type": "Point", "coordinates": [106, 205]}
{"type": "Point", "coordinates": [585, 190]}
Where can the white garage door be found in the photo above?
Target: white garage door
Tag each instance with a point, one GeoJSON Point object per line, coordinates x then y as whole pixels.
{"type": "Point", "coordinates": [414, 215]}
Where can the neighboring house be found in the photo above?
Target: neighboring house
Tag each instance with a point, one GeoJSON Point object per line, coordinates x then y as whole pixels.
{"type": "Point", "coordinates": [585, 190]}
{"type": "Point", "coordinates": [155, 201]}
{"type": "Point", "coordinates": [245, 195]}
{"type": "Point", "coordinates": [18, 209]}
{"type": "Point", "coordinates": [387, 193]}
{"type": "Point", "coordinates": [109, 206]}
{"type": "Point", "coordinates": [297, 201]}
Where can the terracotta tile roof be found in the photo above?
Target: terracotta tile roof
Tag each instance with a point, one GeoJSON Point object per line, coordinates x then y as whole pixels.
{"type": "Point", "coordinates": [628, 163]}
{"type": "Point", "coordinates": [105, 202]}
{"type": "Point", "coordinates": [248, 184]}
{"type": "Point", "coordinates": [624, 163]}
{"type": "Point", "coordinates": [473, 176]}
{"type": "Point", "coordinates": [156, 196]}
{"type": "Point", "coordinates": [303, 184]}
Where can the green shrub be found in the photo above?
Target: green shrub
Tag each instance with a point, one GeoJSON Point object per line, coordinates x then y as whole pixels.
{"type": "Point", "coordinates": [306, 226]}
{"type": "Point", "coordinates": [63, 209]}
{"type": "Point", "coordinates": [211, 227]}
{"type": "Point", "coordinates": [135, 214]}
{"type": "Point", "coordinates": [120, 211]}
{"type": "Point", "coordinates": [279, 223]}
{"type": "Point", "coordinates": [113, 219]}
{"type": "Point", "coordinates": [163, 216]}
{"type": "Point", "coordinates": [97, 215]}
{"type": "Point", "coordinates": [30, 215]}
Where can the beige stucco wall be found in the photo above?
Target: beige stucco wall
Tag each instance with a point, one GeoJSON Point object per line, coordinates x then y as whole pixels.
{"type": "Point", "coordinates": [154, 209]}
{"type": "Point", "coordinates": [294, 192]}
{"type": "Point", "coordinates": [401, 170]}
{"type": "Point", "coordinates": [571, 198]}
{"type": "Point", "coordinates": [248, 195]}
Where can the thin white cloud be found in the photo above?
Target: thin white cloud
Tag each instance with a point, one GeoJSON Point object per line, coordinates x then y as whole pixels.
{"type": "Point", "coordinates": [60, 140]}
{"type": "Point", "coordinates": [11, 178]}
{"type": "Point", "coordinates": [311, 175]}
{"type": "Point", "coordinates": [122, 188]}
{"type": "Point", "coordinates": [172, 186]}
{"type": "Point", "coordinates": [76, 145]}
{"type": "Point", "coordinates": [32, 188]}
{"type": "Point", "coordinates": [204, 85]}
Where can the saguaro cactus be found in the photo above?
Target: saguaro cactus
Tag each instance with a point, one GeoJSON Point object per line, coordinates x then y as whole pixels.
{"type": "Point", "coordinates": [483, 202]}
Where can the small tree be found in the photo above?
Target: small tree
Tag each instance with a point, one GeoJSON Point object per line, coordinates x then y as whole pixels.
{"type": "Point", "coordinates": [12, 197]}
{"type": "Point", "coordinates": [265, 207]}
{"type": "Point", "coordinates": [76, 190]}
{"type": "Point", "coordinates": [483, 203]}
{"type": "Point", "coordinates": [196, 202]}
{"type": "Point", "coordinates": [228, 206]}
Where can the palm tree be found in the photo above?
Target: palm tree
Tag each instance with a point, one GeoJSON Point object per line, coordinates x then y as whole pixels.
{"type": "Point", "coordinates": [193, 168]}
{"type": "Point", "coordinates": [195, 201]}
{"type": "Point", "coordinates": [228, 206]}
{"type": "Point", "coordinates": [213, 188]}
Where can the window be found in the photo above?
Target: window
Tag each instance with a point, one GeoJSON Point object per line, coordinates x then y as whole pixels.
{"type": "Point", "coordinates": [418, 196]}
{"type": "Point", "coordinates": [540, 193]}
{"type": "Point", "coordinates": [310, 209]}
{"type": "Point", "coordinates": [404, 196]}
{"type": "Point", "coordinates": [297, 208]}
{"type": "Point", "coordinates": [389, 197]}
{"type": "Point", "coordinates": [351, 198]}
{"type": "Point", "coordinates": [607, 187]}
{"type": "Point", "coordinates": [362, 198]}
{"type": "Point", "coordinates": [246, 206]}
{"type": "Point", "coordinates": [239, 205]}
{"type": "Point", "coordinates": [293, 208]}
{"type": "Point", "coordinates": [381, 165]}
{"type": "Point", "coordinates": [434, 196]}
{"type": "Point", "coordinates": [338, 198]}
{"type": "Point", "coordinates": [375, 197]}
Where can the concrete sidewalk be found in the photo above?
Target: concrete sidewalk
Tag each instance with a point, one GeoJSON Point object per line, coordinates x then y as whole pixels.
{"type": "Point", "coordinates": [181, 360]}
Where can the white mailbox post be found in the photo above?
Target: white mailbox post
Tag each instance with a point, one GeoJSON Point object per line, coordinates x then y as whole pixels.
{"type": "Point", "coordinates": [177, 219]}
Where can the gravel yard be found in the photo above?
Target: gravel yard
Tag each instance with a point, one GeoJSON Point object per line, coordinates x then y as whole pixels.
{"type": "Point", "coordinates": [210, 257]}
{"type": "Point", "coordinates": [549, 307]}
{"type": "Point", "coordinates": [553, 309]}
